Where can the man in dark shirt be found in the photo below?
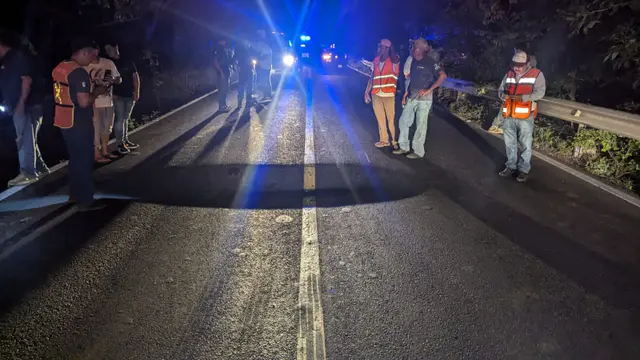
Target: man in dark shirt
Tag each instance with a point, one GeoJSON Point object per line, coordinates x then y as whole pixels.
{"type": "Point", "coordinates": [222, 61]}
{"type": "Point", "coordinates": [22, 98]}
{"type": "Point", "coordinates": [245, 71]}
{"type": "Point", "coordinates": [79, 137]}
{"type": "Point", "coordinates": [125, 96]}
{"type": "Point", "coordinates": [426, 76]}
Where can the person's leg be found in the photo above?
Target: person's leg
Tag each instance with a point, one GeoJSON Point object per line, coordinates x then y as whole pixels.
{"type": "Point", "coordinates": [24, 144]}
{"type": "Point", "coordinates": [36, 118]}
{"type": "Point", "coordinates": [511, 143]}
{"type": "Point", "coordinates": [422, 119]}
{"type": "Point", "coordinates": [242, 86]}
{"type": "Point", "coordinates": [390, 111]}
{"type": "Point", "coordinates": [79, 143]}
{"type": "Point", "coordinates": [525, 140]}
{"type": "Point", "coordinates": [107, 127]}
{"type": "Point", "coordinates": [406, 120]}
{"type": "Point", "coordinates": [120, 120]}
{"type": "Point", "coordinates": [97, 120]}
{"type": "Point", "coordinates": [128, 110]}
{"type": "Point", "coordinates": [223, 88]}
{"type": "Point", "coordinates": [378, 110]}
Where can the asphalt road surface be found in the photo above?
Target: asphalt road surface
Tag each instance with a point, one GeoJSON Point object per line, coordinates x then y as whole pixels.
{"type": "Point", "coordinates": [281, 231]}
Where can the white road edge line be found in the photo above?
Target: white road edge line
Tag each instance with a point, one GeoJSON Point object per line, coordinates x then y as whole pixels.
{"type": "Point", "coordinates": [16, 189]}
{"type": "Point", "coordinates": [37, 232]}
{"type": "Point", "coordinates": [311, 340]}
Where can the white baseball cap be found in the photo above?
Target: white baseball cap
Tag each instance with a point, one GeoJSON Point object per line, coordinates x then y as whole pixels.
{"type": "Point", "coordinates": [385, 42]}
{"type": "Point", "coordinates": [520, 57]}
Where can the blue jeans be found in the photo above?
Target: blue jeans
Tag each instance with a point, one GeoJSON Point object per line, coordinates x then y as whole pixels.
{"type": "Point", "coordinates": [417, 110]}
{"type": "Point", "coordinates": [27, 127]}
{"type": "Point", "coordinates": [122, 107]}
{"type": "Point", "coordinates": [518, 132]}
{"type": "Point", "coordinates": [245, 84]}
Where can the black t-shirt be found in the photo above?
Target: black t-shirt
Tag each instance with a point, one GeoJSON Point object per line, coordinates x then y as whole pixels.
{"type": "Point", "coordinates": [80, 82]}
{"type": "Point", "coordinates": [223, 57]}
{"type": "Point", "coordinates": [13, 66]}
{"type": "Point", "coordinates": [127, 69]}
{"type": "Point", "coordinates": [424, 73]}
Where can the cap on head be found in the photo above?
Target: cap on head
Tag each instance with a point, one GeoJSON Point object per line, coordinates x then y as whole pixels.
{"type": "Point", "coordinates": [385, 42]}
{"type": "Point", "coordinates": [520, 58]}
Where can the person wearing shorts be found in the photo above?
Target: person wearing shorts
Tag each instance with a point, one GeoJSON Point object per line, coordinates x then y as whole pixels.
{"type": "Point", "coordinates": [103, 72]}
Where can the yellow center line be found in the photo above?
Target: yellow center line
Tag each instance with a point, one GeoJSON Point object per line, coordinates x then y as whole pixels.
{"type": "Point", "coordinates": [311, 340]}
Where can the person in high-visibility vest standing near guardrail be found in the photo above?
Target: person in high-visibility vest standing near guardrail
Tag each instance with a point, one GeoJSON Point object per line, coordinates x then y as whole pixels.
{"type": "Point", "coordinates": [520, 90]}
{"type": "Point", "coordinates": [383, 84]}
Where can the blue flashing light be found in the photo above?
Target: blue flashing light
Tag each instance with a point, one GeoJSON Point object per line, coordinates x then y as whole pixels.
{"type": "Point", "coordinates": [305, 37]}
{"type": "Point", "coordinates": [290, 44]}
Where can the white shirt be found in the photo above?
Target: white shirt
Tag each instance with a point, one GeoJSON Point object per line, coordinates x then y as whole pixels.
{"type": "Point", "coordinates": [96, 73]}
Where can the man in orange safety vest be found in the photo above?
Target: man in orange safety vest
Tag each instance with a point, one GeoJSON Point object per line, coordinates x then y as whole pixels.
{"type": "Point", "coordinates": [521, 88]}
{"type": "Point", "coordinates": [383, 85]}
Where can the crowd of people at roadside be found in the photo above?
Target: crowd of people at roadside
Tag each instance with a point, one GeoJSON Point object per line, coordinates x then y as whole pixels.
{"type": "Point", "coordinates": [94, 94]}
{"type": "Point", "coordinates": [522, 86]}
{"type": "Point", "coordinates": [250, 59]}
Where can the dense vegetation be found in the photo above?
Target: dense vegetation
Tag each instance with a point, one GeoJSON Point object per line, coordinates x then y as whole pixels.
{"type": "Point", "coordinates": [588, 50]}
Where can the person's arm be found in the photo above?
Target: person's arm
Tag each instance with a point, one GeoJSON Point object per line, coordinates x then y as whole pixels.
{"type": "Point", "coordinates": [442, 76]}
{"type": "Point", "coordinates": [115, 74]}
{"type": "Point", "coordinates": [501, 94]}
{"type": "Point", "coordinates": [539, 89]}
{"type": "Point", "coordinates": [136, 83]}
{"type": "Point", "coordinates": [80, 84]}
{"type": "Point", "coordinates": [25, 87]}
{"type": "Point", "coordinates": [367, 92]}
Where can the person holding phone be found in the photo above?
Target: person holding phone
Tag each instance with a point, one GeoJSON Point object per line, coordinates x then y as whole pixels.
{"type": "Point", "coordinates": [103, 72]}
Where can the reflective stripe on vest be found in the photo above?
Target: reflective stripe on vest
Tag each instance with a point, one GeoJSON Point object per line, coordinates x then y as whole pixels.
{"type": "Point", "coordinates": [64, 113]}
{"type": "Point", "coordinates": [519, 87]}
{"type": "Point", "coordinates": [386, 80]}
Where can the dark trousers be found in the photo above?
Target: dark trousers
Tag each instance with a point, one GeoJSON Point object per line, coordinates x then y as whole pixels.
{"type": "Point", "coordinates": [223, 88]}
{"type": "Point", "coordinates": [245, 84]}
{"type": "Point", "coordinates": [264, 80]}
{"type": "Point", "coordinates": [79, 141]}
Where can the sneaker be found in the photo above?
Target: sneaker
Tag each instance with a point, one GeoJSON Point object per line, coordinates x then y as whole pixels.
{"type": "Point", "coordinates": [43, 172]}
{"type": "Point", "coordinates": [495, 130]}
{"type": "Point", "coordinates": [131, 145]}
{"type": "Point", "coordinates": [414, 156]}
{"type": "Point", "coordinates": [123, 149]}
{"type": "Point", "coordinates": [225, 108]}
{"type": "Point", "coordinates": [522, 177]}
{"type": "Point", "coordinates": [395, 146]}
{"type": "Point", "coordinates": [506, 172]}
{"type": "Point", "coordinates": [23, 179]}
{"type": "Point", "coordinates": [400, 152]}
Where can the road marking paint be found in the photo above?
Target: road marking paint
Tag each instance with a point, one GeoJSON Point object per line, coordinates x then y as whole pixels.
{"type": "Point", "coordinates": [311, 339]}
{"type": "Point", "coordinates": [37, 232]}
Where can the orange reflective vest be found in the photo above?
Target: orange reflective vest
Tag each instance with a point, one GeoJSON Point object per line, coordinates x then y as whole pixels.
{"type": "Point", "coordinates": [523, 86]}
{"type": "Point", "coordinates": [387, 79]}
{"type": "Point", "coordinates": [63, 117]}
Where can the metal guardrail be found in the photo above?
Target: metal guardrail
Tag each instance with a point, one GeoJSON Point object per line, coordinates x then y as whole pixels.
{"type": "Point", "coordinates": [615, 121]}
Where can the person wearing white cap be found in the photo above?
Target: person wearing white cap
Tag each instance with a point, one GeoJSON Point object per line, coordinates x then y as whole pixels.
{"type": "Point", "coordinates": [383, 85]}
{"type": "Point", "coordinates": [426, 76]}
{"type": "Point", "coordinates": [520, 90]}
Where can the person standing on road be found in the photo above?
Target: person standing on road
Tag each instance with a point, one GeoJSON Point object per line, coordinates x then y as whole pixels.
{"type": "Point", "coordinates": [383, 85]}
{"type": "Point", "coordinates": [520, 90]}
{"type": "Point", "coordinates": [426, 76]}
{"type": "Point", "coordinates": [264, 54]}
{"type": "Point", "coordinates": [74, 97]}
{"type": "Point", "coordinates": [20, 86]}
{"type": "Point", "coordinates": [244, 64]}
{"type": "Point", "coordinates": [125, 96]}
{"type": "Point", "coordinates": [103, 72]}
{"type": "Point", "coordinates": [222, 61]}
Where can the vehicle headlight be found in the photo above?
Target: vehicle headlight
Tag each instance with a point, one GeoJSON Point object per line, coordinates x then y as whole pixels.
{"type": "Point", "coordinates": [254, 61]}
{"type": "Point", "coordinates": [326, 57]}
{"type": "Point", "coordinates": [288, 60]}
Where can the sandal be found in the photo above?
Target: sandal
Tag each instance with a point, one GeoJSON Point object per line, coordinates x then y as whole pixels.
{"type": "Point", "coordinates": [102, 160]}
{"type": "Point", "coordinates": [381, 144]}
